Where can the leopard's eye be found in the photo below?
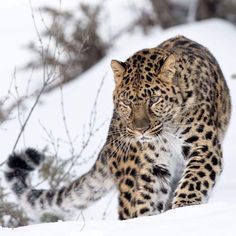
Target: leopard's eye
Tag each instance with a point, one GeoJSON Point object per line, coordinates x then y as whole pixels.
{"type": "Point", "coordinates": [153, 100]}
{"type": "Point", "coordinates": [126, 102]}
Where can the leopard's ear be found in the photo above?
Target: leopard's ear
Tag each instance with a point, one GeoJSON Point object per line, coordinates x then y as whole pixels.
{"type": "Point", "coordinates": [168, 69]}
{"type": "Point", "coordinates": [118, 68]}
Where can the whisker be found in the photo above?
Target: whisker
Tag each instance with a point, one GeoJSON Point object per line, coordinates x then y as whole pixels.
{"type": "Point", "coordinates": [128, 148]}
{"type": "Point", "coordinates": [119, 147]}
{"type": "Point", "coordinates": [117, 139]}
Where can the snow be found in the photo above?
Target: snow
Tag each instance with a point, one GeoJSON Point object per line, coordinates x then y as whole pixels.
{"type": "Point", "coordinates": [210, 219]}
{"type": "Point", "coordinates": [215, 218]}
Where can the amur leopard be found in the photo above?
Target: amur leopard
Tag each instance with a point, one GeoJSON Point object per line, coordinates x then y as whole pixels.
{"type": "Point", "coordinates": [163, 148]}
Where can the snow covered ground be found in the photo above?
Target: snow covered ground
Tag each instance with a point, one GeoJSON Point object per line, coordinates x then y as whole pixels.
{"type": "Point", "coordinates": [217, 217]}
{"type": "Point", "coordinates": [211, 219]}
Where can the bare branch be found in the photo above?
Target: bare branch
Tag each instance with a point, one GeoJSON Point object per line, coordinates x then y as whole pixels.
{"type": "Point", "coordinates": [91, 133]}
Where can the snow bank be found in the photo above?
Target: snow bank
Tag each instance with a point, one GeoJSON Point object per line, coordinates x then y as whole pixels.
{"type": "Point", "coordinates": [215, 219]}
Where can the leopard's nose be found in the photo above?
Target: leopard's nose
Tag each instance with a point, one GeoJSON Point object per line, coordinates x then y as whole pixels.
{"type": "Point", "coordinates": [141, 125]}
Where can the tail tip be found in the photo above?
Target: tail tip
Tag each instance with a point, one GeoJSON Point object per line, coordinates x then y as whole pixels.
{"type": "Point", "coordinates": [19, 166]}
{"type": "Point", "coordinates": [35, 156]}
{"type": "Point", "coordinates": [26, 160]}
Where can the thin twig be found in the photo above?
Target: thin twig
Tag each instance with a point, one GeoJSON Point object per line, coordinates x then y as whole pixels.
{"type": "Point", "coordinates": [72, 149]}
{"type": "Point", "coordinates": [28, 116]}
{"type": "Point", "coordinates": [46, 82]}
{"type": "Point", "coordinates": [91, 133]}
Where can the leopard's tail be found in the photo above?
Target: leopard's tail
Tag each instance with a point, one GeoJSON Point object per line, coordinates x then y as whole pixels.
{"type": "Point", "coordinates": [77, 195]}
{"type": "Point", "coordinates": [19, 167]}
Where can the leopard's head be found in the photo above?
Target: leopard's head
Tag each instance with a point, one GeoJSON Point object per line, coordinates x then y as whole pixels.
{"type": "Point", "coordinates": [147, 95]}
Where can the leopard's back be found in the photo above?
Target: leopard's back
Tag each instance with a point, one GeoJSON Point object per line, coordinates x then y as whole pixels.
{"type": "Point", "coordinates": [204, 78]}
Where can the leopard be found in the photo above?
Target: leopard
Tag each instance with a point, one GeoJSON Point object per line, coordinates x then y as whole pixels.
{"type": "Point", "coordinates": [163, 149]}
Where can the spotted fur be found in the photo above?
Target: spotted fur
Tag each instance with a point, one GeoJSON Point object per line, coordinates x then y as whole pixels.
{"type": "Point", "coordinates": [163, 149]}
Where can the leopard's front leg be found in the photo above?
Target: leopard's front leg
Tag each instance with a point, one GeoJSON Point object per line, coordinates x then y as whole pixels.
{"type": "Point", "coordinates": [204, 165]}
{"type": "Point", "coordinates": [144, 194]}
